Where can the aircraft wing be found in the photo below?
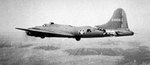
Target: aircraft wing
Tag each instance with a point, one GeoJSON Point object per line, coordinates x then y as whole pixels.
{"type": "Point", "coordinates": [46, 32]}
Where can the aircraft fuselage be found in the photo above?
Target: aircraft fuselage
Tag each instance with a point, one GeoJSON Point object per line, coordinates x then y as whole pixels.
{"type": "Point", "coordinates": [82, 32]}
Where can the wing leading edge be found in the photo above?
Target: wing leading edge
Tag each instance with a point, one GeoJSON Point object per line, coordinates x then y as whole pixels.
{"type": "Point", "coordinates": [47, 32]}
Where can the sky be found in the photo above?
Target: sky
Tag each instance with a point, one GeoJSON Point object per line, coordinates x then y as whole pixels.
{"type": "Point", "coordinates": [30, 13]}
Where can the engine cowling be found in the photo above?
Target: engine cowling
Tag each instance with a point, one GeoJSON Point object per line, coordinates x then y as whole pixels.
{"type": "Point", "coordinates": [29, 33]}
{"type": "Point", "coordinates": [35, 34]}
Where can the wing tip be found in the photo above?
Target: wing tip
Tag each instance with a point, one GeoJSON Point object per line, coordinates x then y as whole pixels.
{"type": "Point", "coordinates": [21, 28]}
{"type": "Point", "coordinates": [18, 28]}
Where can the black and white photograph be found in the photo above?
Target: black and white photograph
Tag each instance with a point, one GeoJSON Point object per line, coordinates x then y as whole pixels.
{"type": "Point", "coordinates": [74, 32]}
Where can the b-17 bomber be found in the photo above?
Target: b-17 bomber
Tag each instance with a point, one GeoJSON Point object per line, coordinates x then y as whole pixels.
{"type": "Point", "coordinates": [117, 26]}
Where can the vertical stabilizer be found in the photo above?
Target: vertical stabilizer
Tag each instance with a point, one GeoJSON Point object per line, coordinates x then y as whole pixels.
{"type": "Point", "coordinates": [118, 20]}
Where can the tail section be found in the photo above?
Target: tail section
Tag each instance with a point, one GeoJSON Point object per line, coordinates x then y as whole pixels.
{"type": "Point", "coordinates": [118, 20]}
